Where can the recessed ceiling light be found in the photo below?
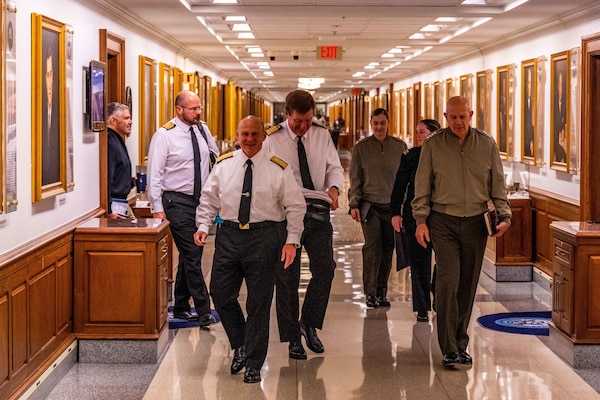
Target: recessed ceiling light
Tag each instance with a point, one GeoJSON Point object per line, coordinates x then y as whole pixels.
{"type": "Point", "coordinates": [387, 55]}
{"type": "Point", "coordinates": [235, 18]}
{"type": "Point", "coordinates": [432, 28]}
{"type": "Point", "coordinates": [417, 36]}
{"type": "Point", "coordinates": [447, 19]}
{"type": "Point", "coordinates": [224, 1]}
{"type": "Point", "coordinates": [241, 28]}
{"type": "Point", "coordinates": [246, 35]}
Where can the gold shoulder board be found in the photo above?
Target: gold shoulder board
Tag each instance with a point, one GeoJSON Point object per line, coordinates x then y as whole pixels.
{"type": "Point", "coordinates": [274, 129]}
{"type": "Point", "coordinates": [405, 151]}
{"type": "Point", "coordinates": [204, 122]}
{"type": "Point", "coordinates": [169, 125]}
{"type": "Point", "coordinates": [224, 156]}
{"type": "Point", "coordinates": [279, 162]}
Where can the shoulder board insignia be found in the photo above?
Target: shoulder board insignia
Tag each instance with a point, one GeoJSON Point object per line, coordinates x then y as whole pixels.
{"type": "Point", "coordinates": [224, 156]}
{"type": "Point", "coordinates": [274, 129]}
{"type": "Point", "coordinates": [203, 122]}
{"type": "Point", "coordinates": [319, 125]}
{"type": "Point", "coordinates": [169, 125]}
{"type": "Point", "coordinates": [481, 132]}
{"type": "Point", "coordinates": [405, 152]}
{"type": "Point", "coordinates": [279, 162]}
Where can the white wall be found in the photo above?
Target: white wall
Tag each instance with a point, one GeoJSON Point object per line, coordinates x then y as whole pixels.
{"type": "Point", "coordinates": [559, 39]}
{"type": "Point", "coordinates": [32, 220]}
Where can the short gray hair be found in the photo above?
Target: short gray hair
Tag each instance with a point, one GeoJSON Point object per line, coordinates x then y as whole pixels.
{"type": "Point", "coordinates": [115, 108]}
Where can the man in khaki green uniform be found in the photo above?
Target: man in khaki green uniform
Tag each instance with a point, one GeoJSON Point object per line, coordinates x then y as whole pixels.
{"type": "Point", "coordinates": [459, 172]}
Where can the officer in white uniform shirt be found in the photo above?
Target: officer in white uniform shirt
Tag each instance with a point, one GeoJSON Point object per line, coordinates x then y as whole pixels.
{"type": "Point", "coordinates": [173, 178]}
{"type": "Point", "coordinates": [320, 187]}
{"type": "Point", "coordinates": [250, 247]}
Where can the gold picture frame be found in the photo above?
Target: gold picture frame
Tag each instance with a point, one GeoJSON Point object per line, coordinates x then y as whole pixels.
{"type": "Point", "coordinates": [429, 100]}
{"type": "Point", "coordinates": [502, 109]}
{"type": "Point", "coordinates": [438, 102]}
{"type": "Point", "coordinates": [147, 105]}
{"type": "Point", "coordinates": [48, 105]}
{"type": "Point", "coordinates": [410, 112]}
{"type": "Point", "coordinates": [165, 93]}
{"type": "Point", "coordinates": [402, 113]}
{"type": "Point", "coordinates": [466, 87]}
{"type": "Point", "coordinates": [529, 79]}
{"type": "Point", "coordinates": [483, 98]}
{"type": "Point", "coordinates": [559, 111]}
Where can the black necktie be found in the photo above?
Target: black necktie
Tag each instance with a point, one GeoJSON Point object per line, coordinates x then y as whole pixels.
{"type": "Point", "coordinates": [244, 213]}
{"type": "Point", "coordinates": [197, 172]}
{"type": "Point", "coordinates": [304, 170]}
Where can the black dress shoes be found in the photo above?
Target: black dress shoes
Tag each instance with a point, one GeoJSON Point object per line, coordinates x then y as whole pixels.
{"type": "Point", "coordinates": [465, 358]}
{"type": "Point", "coordinates": [422, 316]}
{"type": "Point", "coordinates": [450, 360]}
{"type": "Point", "coordinates": [251, 375]}
{"type": "Point", "coordinates": [372, 301]}
{"type": "Point", "coordinates": [312, 340]}
{"type": "Point", "coordinates": [185, 315]}
{"type": "Point", "coordinates": [297, 351]}
{"type": "Point", "coordinates": [382, 301]}
{"type": "Point", "coordinates": [239, 360]}
{"type": "Point", "coordinates": [206, 320]}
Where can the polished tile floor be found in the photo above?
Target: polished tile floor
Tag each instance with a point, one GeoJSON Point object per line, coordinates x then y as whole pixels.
{"type": "Point", "coordinates": [369, 353]}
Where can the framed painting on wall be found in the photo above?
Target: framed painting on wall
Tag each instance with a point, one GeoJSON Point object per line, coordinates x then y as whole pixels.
{"type": "Point", "coordinates": [502, 104]}
{"type": "Point", "coordinates": [48, 98]}
{"type": "Point", "coordinates": [528, 110]}
{"type": "Point", "coordinates": [147, 102]}
{"type": "Point", "coordinates": [438, 102]}
{"type": "Point", "coordinates": [559, 115]}
{"type": "Point", "coordinates": [429, 100]}
{"type": "Point", "coordinates": [165, 93]}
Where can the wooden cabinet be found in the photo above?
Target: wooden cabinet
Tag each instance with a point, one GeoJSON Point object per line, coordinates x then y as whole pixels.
{"type": "Point", "coordinates": [120, 278]}
{"type": "Point", "coordinates": [562, 288]}
{"type": "Point", "coordinates": [515, 247]}
{"type": "Point", "coordinates": [576, 284]}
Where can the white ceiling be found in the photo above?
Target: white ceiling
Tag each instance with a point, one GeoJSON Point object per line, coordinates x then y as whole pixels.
{"type": "Point", "coordinates": [365, 29]}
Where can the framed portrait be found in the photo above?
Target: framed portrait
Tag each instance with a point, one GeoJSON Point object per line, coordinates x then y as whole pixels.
{"type": "Point", "coordinates": [147, 105]}
{"type": "Point", "coordinates": [449, 88]}
{"type": "Point", "coordinates": [165, 93]}
{"type": "Point", "coordinates": [429, 100]}
{"type": "Point", "coordinates": [480, 100]}
{"type": "Point", "coordinates": [49, 172]}
{"type": "Point", "coordinates": [8, 119]}
{"type": "Point", "coordinates": [528, 110]}
{"type": "Point", "coordinates": [465, 87]}
{"type": "Point", "coordinates": [401, 113]}
{"type": "Point", "coordinates": [559, 115]}
{"type": "Point", "coordinates": [503, 105]}
{"type": "Point", "coordinates": [410, 123]}
{"type": "Point", "coordinates": [438, 102]}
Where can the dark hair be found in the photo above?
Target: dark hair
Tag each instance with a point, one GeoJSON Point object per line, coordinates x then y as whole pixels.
{"type": "Point", "coordinates": [380, 111]}
{"type": "Point", "coordinates": [300, 101]}
{"type": "Point", "coordinates": [431, 124]}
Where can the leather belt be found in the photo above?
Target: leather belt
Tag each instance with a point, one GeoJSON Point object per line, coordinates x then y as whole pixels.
{"type": "Point", "coordinates": [252, 225]}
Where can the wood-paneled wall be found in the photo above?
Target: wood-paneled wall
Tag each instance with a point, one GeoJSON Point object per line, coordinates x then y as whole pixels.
{"type": "Point", "coordinates": [36, 308]}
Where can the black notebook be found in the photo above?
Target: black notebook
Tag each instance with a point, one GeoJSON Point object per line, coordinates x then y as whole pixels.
{"type": "Point", "coordinates": [491, 222]}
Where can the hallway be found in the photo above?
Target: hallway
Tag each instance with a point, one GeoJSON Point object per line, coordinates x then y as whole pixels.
{"type": "Point", "coordinates": [378, 353]}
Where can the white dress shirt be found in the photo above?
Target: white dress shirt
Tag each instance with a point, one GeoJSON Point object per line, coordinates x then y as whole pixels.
{"type": "Point", "coordinates": [323, 160]}
{"type": "Point", "coordinates": [275, 194]}
{"type": "Point", "coordinates": [171, 161]}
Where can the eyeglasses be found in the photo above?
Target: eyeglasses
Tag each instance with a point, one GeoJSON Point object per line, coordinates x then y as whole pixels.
{"type": "Point", "coordinates": [194, 109]}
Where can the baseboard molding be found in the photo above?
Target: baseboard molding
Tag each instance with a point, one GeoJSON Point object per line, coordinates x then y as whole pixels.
{"type": "Point", "coordinates": [52, 375]}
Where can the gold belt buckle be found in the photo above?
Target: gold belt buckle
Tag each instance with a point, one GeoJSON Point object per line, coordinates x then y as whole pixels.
{"type": "Point", "coordinates": [244, 227]}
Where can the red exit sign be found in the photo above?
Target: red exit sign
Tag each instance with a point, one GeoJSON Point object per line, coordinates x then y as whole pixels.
{"type": "Point", "coordinates": [329, 52]}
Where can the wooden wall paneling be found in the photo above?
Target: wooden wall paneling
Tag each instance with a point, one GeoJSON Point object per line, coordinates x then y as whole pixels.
{"type": "Point", "coordinates": [42, 310]}
{"type": "Point", "coordinates": [18, 323]}
{"type": "Point", "coordinates": [4, 335]}
{"type": "Point", "coordinates": [64, 294]}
